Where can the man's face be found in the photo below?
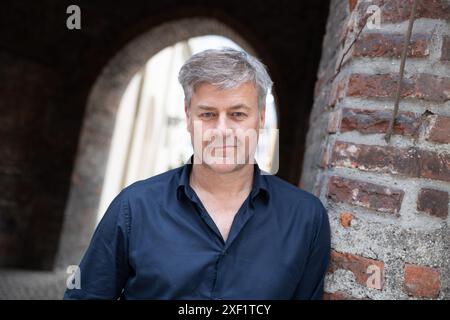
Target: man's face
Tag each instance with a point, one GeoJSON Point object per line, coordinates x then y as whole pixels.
{"type": "Point", "coordinates": [224, 125]}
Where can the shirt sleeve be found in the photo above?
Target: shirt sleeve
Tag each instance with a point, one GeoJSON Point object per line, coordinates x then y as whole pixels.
{"type": "Point", "coordinates": [104, 267]}
{"type": "Point", "coordinates": [311, 285]}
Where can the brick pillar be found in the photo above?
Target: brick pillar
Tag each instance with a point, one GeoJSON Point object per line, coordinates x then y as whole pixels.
{"type": "Point", "coordinates": [388, 202]}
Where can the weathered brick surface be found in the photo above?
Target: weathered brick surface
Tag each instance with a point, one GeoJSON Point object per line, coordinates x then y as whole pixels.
{"type": "Point", "coordinates": [364, 194]}
{"type": "Point", "coordinates": [395, 11]}
{"type": "Point", "coordinates": [338, 295]}
{"type": "Point", "coordinates": [361, 267]}
{"type": "Point", "coordinates": [352, 4]}
{"type": "Point", "coordinates": [334, 121]}
{"type": "Point", "coordinates": [410, 162]}
{"type": "Point", "coordinates": [438, 129]}
{"type": "Point", "coordinates": [346, 219]}
{"type": "Point", "coordinates": [377, 121]}
{"type": "Point", "coordinates": [445, 50]}
{"type": "Point", "coordinates": [435, 165]}
{"type": "Point", "coordinates": [408, 178]}
{"type": "Point", "coordinates": [433, 202]}
{"type": "Point", "coordinates": [375, 158]}
{"type": "Point", "coordinates": [390, 45]}
{"type": "Point", "coordinates": [421, 281]}
{"type": "Point", "coordinates": [420, 86]}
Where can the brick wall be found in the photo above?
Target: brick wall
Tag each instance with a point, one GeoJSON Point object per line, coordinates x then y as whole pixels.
{"type": "Point", "coordinates": [388, 202]}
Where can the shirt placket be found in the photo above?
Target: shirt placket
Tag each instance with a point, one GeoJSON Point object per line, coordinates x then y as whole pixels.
{"type": "Point", "coordinates": [243, 215]}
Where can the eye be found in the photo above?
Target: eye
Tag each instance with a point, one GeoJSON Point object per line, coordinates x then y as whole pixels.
{"type": "Point", "coordinates": [207, 115]}
{"type": "Point", "coordinates": [239, 115]}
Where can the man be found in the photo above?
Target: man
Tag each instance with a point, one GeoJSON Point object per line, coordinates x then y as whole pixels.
{"type": "Point", "coordinates": [216, 228]}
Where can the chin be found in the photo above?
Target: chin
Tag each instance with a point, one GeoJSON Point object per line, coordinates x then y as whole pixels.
{"type": "Point", "coordinates": [224, 168]}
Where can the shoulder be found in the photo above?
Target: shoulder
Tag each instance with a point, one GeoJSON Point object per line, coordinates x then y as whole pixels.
{"type": "Point", "coordinates": [294, 199]}
{"type": "Point", "coordinates": [280, 188]}
{"type": "Point", "coordinates": [152, 187]}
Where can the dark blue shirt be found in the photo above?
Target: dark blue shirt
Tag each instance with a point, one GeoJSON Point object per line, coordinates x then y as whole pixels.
{"type": "Point", "coordinates": [157, 241]}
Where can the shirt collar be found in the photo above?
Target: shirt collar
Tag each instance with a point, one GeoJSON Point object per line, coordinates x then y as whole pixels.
{"type": "Point", "coordinates": [260, 185]}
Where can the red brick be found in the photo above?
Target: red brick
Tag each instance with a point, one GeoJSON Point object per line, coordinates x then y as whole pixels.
{"type": "Point", "coordinates": [421, 86]}
{"type": "Point", "coordinates": [390, 45]}
{"type": "Point", "coordinates": [377, 121]}
{"type": "Point", "coordinates": [337, 92]}
{"type": "Point", "coordinates": [375, 158]}
{"type": "Point", "coordinates": [358, 265]}
{"type": "Point", "coordinates": [364, 194]}
{"type": "Point", "coordinates": [411, 162]}
{"type": "Point", "coordinates": [394, 11]}
{"type": "Point", "coordinates": [346, 219]}
{"type": "Point", "coordinates": [334, 119]}
{"type": "Point", "coordinates": [421, 281]}
{"type": "Point", "coordinates": [352, 4]}
{"type": "Point", "coordinates": [431, 88]}
{"type": "Point", "coordinates": [438, 129]}
{"type": "Point", "coordinates": [338, 295]}
{"type": "Point", "coordinates": [433, 202]}
{"type": "Point", "coordinates": [326, 153]}
{"type": "Point", "coordinates": [435, 165]}
{"type": "Point", "coordinates": [445, 51]}
{"type": "Point", "coordinates": [373, 86]}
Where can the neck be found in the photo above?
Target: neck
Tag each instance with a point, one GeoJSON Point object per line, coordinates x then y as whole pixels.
{"type": "Point", "coordinates": [226, 185]}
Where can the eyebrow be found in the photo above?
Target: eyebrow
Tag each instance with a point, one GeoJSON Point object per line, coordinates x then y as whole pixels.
{"type": "Point", "coordinates": [238, 106]}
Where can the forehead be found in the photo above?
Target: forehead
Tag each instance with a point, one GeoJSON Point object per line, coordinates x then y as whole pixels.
{"type": "Point", "coordinates": [211, 95]}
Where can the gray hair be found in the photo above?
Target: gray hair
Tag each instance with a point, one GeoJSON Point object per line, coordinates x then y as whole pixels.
{"type": "Point", "coordinates": [226, 68]}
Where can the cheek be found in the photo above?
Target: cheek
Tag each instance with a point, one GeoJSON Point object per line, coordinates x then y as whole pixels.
{"type": "Point", "coordinates": [254, 123]}
{"type": "Point", "coordinates": [193, 125]}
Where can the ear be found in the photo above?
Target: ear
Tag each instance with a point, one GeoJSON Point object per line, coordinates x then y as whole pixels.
{"type": "Point", "coordinates": [187, 112]}
{"type": "Point", "coordinates": [262, 116]}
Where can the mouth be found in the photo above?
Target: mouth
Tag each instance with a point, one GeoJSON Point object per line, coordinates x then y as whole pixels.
{"type": "Point", "coordinates": [224, 151]}
{"type": "Point", "coordinates": [225, 147]}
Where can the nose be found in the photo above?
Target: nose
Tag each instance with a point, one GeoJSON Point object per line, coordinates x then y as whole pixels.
{"type": "Point", "coordinates": [224, 124]}
{"type": "Point", "coordinates": [224, 127]}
